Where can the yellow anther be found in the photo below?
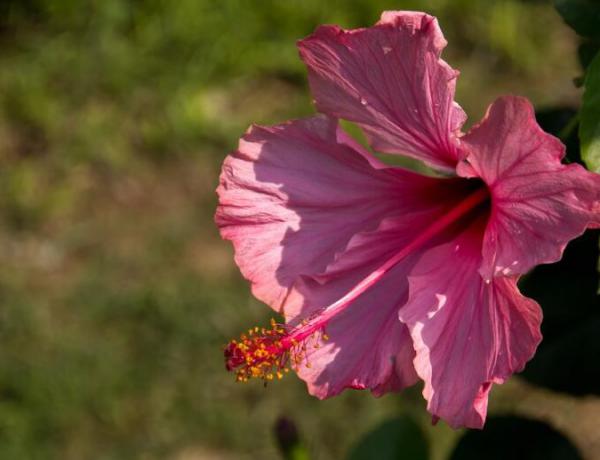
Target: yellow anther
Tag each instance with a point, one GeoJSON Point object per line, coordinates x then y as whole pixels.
{"type": "Point", "coordinates": [268, 353]}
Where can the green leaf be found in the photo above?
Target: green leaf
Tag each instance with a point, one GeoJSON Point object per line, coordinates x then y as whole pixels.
{"type": "Point", "coordinates": [514, 438]}
{"type": "Point", "coordinates": [582, 15]}
{"type": "Point", "coordinates": [562, 122]}
{"type": "Point", "coordinates": [397, 439]}
{"type": "Point", "coordinates": [586, 52]}
{"type": "Point", "coordinates": [589, 127]}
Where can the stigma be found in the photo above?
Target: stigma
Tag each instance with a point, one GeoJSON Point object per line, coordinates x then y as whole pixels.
{"type": "Point", "coordinates": [269, 353]}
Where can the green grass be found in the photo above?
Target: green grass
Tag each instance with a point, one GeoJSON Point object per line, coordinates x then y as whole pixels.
{"type": "Point", "coordinates": [116, 293]}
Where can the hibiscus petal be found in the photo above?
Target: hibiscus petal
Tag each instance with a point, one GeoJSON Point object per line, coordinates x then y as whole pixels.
{"type": "Point", "coordinates": [467, 333]}
{"type": "Point", "coordinates": [391, 81]}
{"type": "Point", "coordinates": [369, 347]}
{"type": "Point", "coordinates": [537, 202]}
{"type": "Point", "coordinates": [293, 195]}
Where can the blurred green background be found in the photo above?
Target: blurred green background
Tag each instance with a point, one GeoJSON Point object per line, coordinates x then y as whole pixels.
{"type": "Point", "coordinates": [116, 293]}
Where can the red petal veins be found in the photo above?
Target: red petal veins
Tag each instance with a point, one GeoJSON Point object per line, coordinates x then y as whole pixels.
{"type": "Point", "coordinates": [538, 203]}
{"type": "Point", "coordinates": [467, 333]}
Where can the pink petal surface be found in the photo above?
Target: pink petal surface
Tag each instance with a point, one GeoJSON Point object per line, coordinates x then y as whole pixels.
{"type": "Point", "coordinates": [467, 333]}
{"type": "Point", "coordinates": [539, 204]}
{"type": "Point", "coordinates": [368, 346]}
{"type": "Point", "coordinates": [310, 215]}
{"type": "Point", "coordinates": [391, 81]}
{"type": "Point", "coordinates": [293, 195]}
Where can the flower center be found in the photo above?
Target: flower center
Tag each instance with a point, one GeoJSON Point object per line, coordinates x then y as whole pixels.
{"type": "Point", "coordinates": [268, 353]}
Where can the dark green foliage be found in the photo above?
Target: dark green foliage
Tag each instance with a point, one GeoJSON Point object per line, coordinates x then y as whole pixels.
{"type": "Point", "coordinates": [514, 438]}
{"type": "Point", "coordinates": [586, 53]}
{"type": "Point", "coordinates": [568, 293]}
{"type": "Point", "coordinates": [397, 439]}
{"type": "Point", "coordinates": [581, 15]}
{"type": "Point", "coordinates": [562, 122]}
{"type": "Point", "coordinates": [288, 440]}
{"type": "Point", "coordinates": [589, 126]}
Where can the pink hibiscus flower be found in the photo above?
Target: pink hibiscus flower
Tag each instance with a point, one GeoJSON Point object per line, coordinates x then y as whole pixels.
{"type": "Point", "coordinates": [384, 275]}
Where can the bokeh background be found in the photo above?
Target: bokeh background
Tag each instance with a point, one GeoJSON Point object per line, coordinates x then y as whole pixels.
{"type": "Point", "coordinates": [116, 292]}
